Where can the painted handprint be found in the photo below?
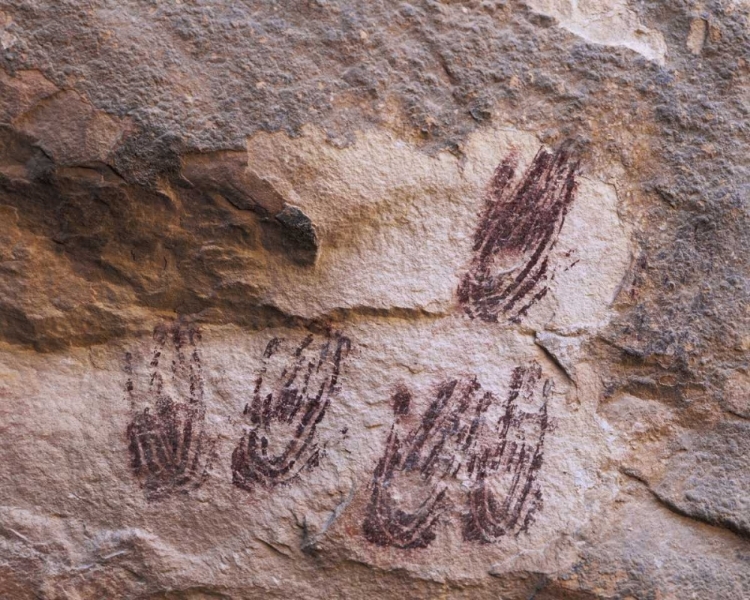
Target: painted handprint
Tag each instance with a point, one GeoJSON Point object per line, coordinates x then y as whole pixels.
{"type": "Point", "coordinates": [166, 437]}
{"type": "Point", "coordinates": [409, 488]}
{"type": "Point", "coordinates": [504, 463]}
{"type": "Point", "coordinates": [520, 225]}
{"type": "Point", "coordinates": [291, 396]}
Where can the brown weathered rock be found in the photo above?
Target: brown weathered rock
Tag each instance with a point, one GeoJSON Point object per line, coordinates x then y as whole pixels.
{"type": "Point", "coordinates": [374, 300]}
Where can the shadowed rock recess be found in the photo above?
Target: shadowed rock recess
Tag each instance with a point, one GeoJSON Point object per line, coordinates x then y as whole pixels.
{"type": "Point", "coordinates": [330, 299]}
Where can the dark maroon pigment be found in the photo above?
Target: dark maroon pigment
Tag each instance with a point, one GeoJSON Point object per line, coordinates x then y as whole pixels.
{"type": "Point", "coordinates": [517, 231]}
{"type": "Point", "coordinates": [423, 456]}
{"type": "Point", "coordinates": [167, 442]}
{"type": "Point", "coordinates": [287, 412]}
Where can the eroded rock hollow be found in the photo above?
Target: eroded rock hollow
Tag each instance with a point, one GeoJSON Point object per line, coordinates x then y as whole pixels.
{"type": "Point", "coordinates": [330, 299]}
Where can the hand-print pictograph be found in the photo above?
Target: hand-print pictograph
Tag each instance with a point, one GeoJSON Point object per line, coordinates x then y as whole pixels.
{"type": "Point", "coordinates": [409, 488]}
{"type": "Point", "coordinates": [291, 396]}
{"type": "Point", "coordinates": [504, 463]}
{"type": "Point", "coordinates": [510, 270]}
{"type": "Point", "coordinates": [167, 441]}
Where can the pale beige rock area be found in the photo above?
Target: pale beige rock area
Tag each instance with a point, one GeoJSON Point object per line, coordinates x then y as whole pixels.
{"type": "Point", "coordinates": [611, 24]}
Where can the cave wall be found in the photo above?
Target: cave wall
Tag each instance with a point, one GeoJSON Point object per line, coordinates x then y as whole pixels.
{"type": "Point", "coordinates": [328, 299]}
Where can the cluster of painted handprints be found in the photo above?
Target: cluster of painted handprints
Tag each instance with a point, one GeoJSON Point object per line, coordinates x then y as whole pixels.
{"type": "Point", "coordinates": [168, 443]}
{"type": "Point", "coordinates": [166, 437]}
{"type": "Point", "coordinates": [510, 270]}
{"type": "Point", "coordinates": [500, 459]}
{"type": "Point", "coordinates": [291, 396]}
{"type": "Point", "coordinates": [459, 434]}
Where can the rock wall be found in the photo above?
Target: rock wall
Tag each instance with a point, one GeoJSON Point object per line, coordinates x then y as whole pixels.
{"type": "Point", "coordinates": [324, 299]}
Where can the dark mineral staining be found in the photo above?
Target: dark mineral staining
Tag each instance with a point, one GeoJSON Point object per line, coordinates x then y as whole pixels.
{"type": "Point", "coordinates": [510, 269]}
{"type": "Point", "coordinates": [167, 442]}
{"type": "Point", "coordinates": [504, 463]}
{"type": "Point", "coordinates": [291, 396]}
{"type": "Point", "coordinates": [299, 229]}
{"type": "Point", "coordinates": [409, 488]}
{"type": "Point", "coordinates": [285, 228]}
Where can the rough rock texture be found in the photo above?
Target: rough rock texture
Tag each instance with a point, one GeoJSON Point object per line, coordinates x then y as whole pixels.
{"type": "Point", "coordinates": [331, 299]}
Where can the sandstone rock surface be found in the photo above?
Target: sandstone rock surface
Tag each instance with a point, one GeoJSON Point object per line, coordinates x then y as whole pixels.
{"type": "Point", "coordinates": [374, 300]}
